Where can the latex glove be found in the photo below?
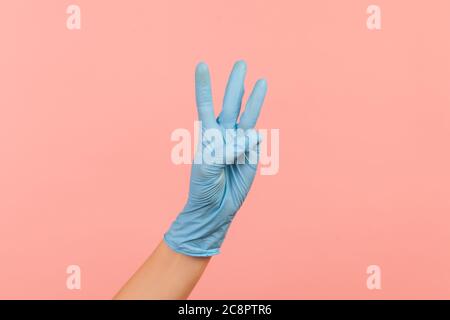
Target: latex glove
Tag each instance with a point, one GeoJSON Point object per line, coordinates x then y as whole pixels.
{"type": "Point", "coordinates": [218, 188]}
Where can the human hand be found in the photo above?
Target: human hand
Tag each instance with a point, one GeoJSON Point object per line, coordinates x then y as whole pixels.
{"type": "Point", "coordinates": [219, 186]}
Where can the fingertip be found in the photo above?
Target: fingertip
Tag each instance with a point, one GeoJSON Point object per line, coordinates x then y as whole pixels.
{"type": "Point", "coordinates": [201, 67]}
{"type": "Point", "coordinates": [262, 83]}
{"type": "Point", "coordinates": [240, 65]}
{"type": "Point", "coordinates": [202, 73]}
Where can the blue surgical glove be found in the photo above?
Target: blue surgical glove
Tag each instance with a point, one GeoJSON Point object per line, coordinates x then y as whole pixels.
{"type": "Point", "coordinates": [218, 188]}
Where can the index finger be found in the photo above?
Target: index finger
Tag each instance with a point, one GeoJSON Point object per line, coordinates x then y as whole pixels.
{"type": "Point", "coordinates": [203, 95]}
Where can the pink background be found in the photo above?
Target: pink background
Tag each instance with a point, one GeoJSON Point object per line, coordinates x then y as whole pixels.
{"type": "Point", "coordinates": [364, 118]}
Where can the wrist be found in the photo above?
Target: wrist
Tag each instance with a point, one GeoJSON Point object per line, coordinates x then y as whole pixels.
{"type": "Point", "coordinates": [198, 233]}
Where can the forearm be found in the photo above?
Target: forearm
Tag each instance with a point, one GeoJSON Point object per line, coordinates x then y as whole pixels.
{"type": "Point", "coordinates": [165, 275]}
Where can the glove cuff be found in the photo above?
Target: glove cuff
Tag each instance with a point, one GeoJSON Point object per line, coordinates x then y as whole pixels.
{"type": "Point", "coordinates": [189, 250]}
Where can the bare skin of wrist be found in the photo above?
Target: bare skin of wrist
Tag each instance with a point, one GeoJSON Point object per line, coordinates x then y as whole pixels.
{"type": "Point", "coordinates": [165, 275]}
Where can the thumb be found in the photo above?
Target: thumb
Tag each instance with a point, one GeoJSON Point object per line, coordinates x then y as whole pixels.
{"type": "Point", "coordinates": [246, 146]}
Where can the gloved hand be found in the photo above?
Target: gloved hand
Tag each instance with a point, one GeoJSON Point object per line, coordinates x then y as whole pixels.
{"type": "Point", "coordinates": [218, 188]}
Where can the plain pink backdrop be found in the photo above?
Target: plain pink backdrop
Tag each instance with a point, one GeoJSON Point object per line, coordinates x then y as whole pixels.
{"type": "Point", "coordinates": [364, 118]}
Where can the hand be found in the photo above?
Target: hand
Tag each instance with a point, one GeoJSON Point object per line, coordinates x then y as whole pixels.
{"type": "Point", "coordinates": [218, 187]}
